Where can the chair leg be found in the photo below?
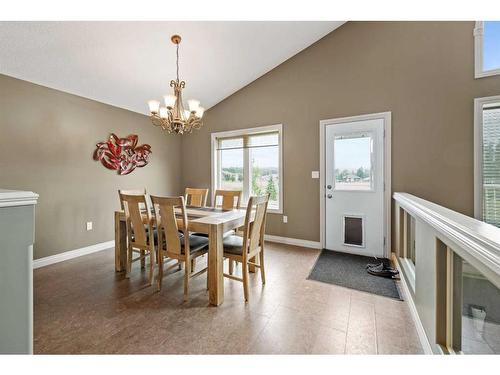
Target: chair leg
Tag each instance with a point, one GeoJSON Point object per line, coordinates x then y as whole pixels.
{"type": "Point", "coordinates": [160, 271]}
{"type": "Point", "coordinates": [208, 280]}
{"type": "Point", "coordinates": [187, 272]}
{"type": "Point", "coordinates": [129, 261]}
{"type": "Point", "coordinates": [262, 271]}
{"type": "Point", "coordinates": [231, 266]}
{"type": "Point", "coordinates": [193, 264]}
{"type": "Point", "coordinates": [143, 259]}
{"type": "Point", "coordinates": [244, 271]}
{"type": "Point", "coordinates": [152, 261]}
{"type": "Point", "coordinates": [179, 265]}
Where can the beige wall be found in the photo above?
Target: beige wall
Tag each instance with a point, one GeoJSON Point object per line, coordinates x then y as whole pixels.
{"type": "Point", "coordinates": [422, 72]}
{"type": "Point", "coordinates": [47, 138]}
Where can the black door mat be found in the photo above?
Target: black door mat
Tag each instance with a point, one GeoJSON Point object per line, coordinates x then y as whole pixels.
{"type": "Point", "coordinates": [349, 271]}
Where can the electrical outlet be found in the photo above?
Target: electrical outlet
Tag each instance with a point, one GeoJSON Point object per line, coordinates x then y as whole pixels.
{"type": "Point", "coordinates": [89, 225]}
{"type": "Point", "coordinates": [315, 174]}
{"type": "Point", "coordinates": [285, 219]}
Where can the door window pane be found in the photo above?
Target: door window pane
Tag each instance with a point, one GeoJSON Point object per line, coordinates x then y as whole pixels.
{"type": "Point", "coordinates": [353, 162]}
{"type": "Point", "coordinates": [480, 313]}
{"type": "Point", "coordinates": [231, 177]}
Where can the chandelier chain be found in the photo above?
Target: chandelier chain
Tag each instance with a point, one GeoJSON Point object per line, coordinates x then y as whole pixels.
{"type": "Point", "coordinates": [177, 53]}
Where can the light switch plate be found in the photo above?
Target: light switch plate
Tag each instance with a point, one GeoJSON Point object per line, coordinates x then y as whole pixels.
{"type": "Point", "coordinates": [89, 225]}
{"type": "Point", "coordinates": [285, 219]}
{"type": "Point", "coordinates": [315, 174]}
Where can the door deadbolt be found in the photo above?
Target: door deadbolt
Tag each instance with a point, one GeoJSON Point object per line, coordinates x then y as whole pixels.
{"type": "Point", "coordinates": [329, 186]}
{"type": "Point", "coordinates": [329, 196]}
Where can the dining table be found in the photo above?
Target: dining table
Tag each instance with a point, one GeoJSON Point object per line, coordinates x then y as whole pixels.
{"type": "Point", "coordinates": [212, 221]}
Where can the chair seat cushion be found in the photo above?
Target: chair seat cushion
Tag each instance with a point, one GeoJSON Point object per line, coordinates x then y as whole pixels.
{"type": "Point", "coordinates": [233, 245]}
{"type": "Point", "coordinates": [197, 244]}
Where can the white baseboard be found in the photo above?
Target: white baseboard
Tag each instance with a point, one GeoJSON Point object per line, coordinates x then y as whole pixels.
{"type": "Point", "coordinates": [293, 241]}
{"type": "Point", "coordinates": [424, 341]}
{"type": "Point", "coordinates": [42, 262]}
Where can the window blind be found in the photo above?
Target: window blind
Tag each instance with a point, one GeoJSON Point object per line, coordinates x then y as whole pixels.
{"type": "Point", "coordinates": [268, 139]}
{"type": "Point", "coordinates": [491, 165]}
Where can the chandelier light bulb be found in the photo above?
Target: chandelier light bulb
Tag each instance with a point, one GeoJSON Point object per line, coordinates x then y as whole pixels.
{"type": "Point", "coordinates": [199, 111]}
{"type": "Point", "coordinates": [154, 106]}
{"type": "Point", "coordinates": [163, 112]}
{"type": "Point", "coordinates": [169, 100]}
{"type": "Point", "coordinates": [193, 105]}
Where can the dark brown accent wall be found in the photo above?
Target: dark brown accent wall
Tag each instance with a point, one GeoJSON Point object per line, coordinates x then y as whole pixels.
{"type": "Point", "coordinates": [47, 138]}
{"type": "Point", "coordinates": [423, 72]}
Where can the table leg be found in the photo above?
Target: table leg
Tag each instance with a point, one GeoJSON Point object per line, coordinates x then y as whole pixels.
{"type": "Point", "coordinates": [120, 244]}
{"type": "Point", "coordinates": [215, 266]}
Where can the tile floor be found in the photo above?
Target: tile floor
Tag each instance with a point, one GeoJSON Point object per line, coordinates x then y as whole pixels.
{"type": "Point", "coordinates": [83, 306]}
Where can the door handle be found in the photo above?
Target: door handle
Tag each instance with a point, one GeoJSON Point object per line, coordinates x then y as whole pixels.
{"type": "Point", "coordinates": [329, 196]}
{"type": "Point", "coordinates": [329, 186]}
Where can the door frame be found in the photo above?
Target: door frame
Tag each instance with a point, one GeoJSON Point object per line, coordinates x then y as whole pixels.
{"type": "Point", "coordinates": [386, 116]}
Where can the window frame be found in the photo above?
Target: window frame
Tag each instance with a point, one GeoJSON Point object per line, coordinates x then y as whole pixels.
{"type": "Point", "coordinates": [478, 152]}
{"type": "Point", "coordinates": [478, 53]}
{"type": "Point", "coordinates": [214, 172]}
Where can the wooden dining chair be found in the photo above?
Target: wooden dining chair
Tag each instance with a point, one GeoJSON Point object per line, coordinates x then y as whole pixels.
{"type": "Point", "coordinates": [196, 197]}
{"type": "Point", "coordinates": [142, 207]}
{"type": "Point", "coordinates": [230, 199]}
{"type": "Point", "coordinates": [140, 233]}
{"type": "Point", "coordinates": [251, 245]}
{"type": "Point", "coordinates": [130, 192]}
{"type": "Point", "coordinates": [174, 239]}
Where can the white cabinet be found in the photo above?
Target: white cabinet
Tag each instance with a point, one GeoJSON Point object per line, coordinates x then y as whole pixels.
{"type": "Point", "coordinates": [17, 232]}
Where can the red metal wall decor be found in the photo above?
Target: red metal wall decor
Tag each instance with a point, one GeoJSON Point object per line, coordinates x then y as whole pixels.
{"type": "Point", "coordinates": [122, 154]}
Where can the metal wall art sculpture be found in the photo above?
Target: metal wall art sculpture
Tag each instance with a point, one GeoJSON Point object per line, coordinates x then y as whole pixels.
{"type": "Point", "coordinates": [122, 154]}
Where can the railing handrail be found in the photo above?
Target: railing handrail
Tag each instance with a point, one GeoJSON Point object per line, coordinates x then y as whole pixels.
{"type": "Point", "coordinates": [476, 241]}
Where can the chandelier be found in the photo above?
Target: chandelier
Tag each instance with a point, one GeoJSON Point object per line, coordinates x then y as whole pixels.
{"type": "Point", "coordinates": [173, 117]}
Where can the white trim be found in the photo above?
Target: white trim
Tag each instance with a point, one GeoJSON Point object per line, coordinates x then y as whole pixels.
{"type": "Point", "coordinates": [386, 116]}
{"type": "Point", "coordinates": [42, 262]}
{"type": "Point", "coordinates": [478, 53]}
{"type": "Point", "coordinates": [231, 133]}
{"type": "Point", "coordinates": [478, 152]}
{"type": "Point", "coordinates": [11, 198]}
{"type": "Point", "coordinates": [293, 241]}
{"type": "Point", "coordinates": [475, 241]}
{"type": "Point", "coordinates": [424, 341]}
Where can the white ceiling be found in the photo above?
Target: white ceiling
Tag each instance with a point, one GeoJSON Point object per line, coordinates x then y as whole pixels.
{"type": "Point", "coordinates": [127, 63]}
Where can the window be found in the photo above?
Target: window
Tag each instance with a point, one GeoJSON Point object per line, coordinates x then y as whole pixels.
{"type": "Point", "coordinates": [249, 160]}
{"type": "Point", "coordinates": [353, 162]}
{"type": "Point", "coordinates": [487, 160]}
{"type": "Point", "coordinates": [487, 48]}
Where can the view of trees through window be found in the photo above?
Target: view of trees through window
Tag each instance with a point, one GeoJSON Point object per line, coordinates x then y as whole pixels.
{"type": "Point", "coordinates": [261, 156]}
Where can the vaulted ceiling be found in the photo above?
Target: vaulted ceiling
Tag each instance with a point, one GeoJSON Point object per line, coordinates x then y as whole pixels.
{"type": "Point", "coordinates": [127, 63]}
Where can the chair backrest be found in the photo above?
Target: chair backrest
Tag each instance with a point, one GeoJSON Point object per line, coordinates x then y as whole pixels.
{"type": "Point", "coordinates": [253, 233]}
{"type": "Point", "coordinates": [196, 197]}
{"type": "Point", "coordinates": [230, 199]}
{"type": "Point", "coordinates": [136, 230]}
{"type": "Point", "coordinates": [166, 222]}
{"type": "Point", "coordinates": [130, 192]}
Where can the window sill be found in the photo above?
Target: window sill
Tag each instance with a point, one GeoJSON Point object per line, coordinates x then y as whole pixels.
{"type": "Point", "coordinates": [487, 73]}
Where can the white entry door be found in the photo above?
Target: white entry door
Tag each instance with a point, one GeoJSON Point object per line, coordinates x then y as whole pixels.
{"type": "Point", "coordinates": [354, 187]}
